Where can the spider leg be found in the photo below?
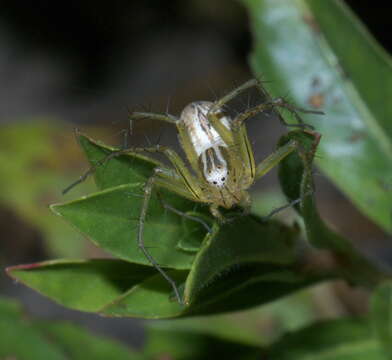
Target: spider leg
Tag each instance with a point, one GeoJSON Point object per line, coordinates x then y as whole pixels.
{"type": "Point", "coordinates": [275, 158]}
{"type": "Point", "coordinates": [215, 111]}
{"type": "Point", "coordinates": [167, 206]}
{"type": "Point", "coordinates": [140, 241]}
{"type": "Point", "coordinates": [284, 207]}
{"type": "Point", "coordinates": [270, 105]}
{"type": "Point", "coordinates": [281, 102]}
{"type": "Point", "coordinates": [185, 184]}
{"type": "Point", "coordinates": [234, 93]}
{"type": "Point", "coordinates": [161, 117]}
{"type": "Point", "coordinates": [280, 208]}
{"type": "Point", "coordinates": [236, 137]}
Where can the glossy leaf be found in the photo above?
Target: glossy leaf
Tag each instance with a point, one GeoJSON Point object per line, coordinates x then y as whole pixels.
{"type": "Point", "coordinates": [330, 340]}
{"type": "Point", "coordinates": [381, 306]}
{"type": "Point", "coordinates": [295, 175]}
{"type": "Point", "coordinates": [236, 278]}
{"type": "Point", "coordinates": [243, 288]}
{"type": "Point", "coordinates": [85, 285]}
{"type": "Point", "coordinates": [151, 299]}
{"type": "Point", "coordinates": [124, 169]}
{"type": "Point", "coordinates": [320, 53]}
{"type": "Point", "coordinates": [227, 274]}
{"type": "Point", "coordinates": [110, 220]}
{"type": "Point", "coordinates": [244, 241]}
{"type": "Point", "coordinates": [193, 231]}
{"type": "Point", "coordinates": [240, 264]}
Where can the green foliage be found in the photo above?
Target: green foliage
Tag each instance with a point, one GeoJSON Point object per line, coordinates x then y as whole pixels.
{"type": "Point", "coordinates": [248, 261]}
{"type": "Point", "coordinates": [224, 275]}
{"type": "Point", "coordinates": [182, 344]}
{"type": "Point", "coordinates": [295, 175]}
{"type": "Point", "coordinates": [320, 53]}
{"type": "Point", "coordinates": [24, 339]}
{"type": "Point", "coordinates": [343, 339]}
{"type": "Point", "coordinates": [381, 306]}
{"type": "Point", "coordinates": [29, 149]}
{"type": "Point", "coordinates": [110, 219]}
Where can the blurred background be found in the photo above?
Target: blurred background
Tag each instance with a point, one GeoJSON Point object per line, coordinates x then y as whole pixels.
{"type": "Point", "coordinates": [86, 65]}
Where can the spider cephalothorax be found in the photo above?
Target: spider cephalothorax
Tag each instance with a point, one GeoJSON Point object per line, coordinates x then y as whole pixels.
{"type": "Point", "coordinates": [213, 159]}
{"type": "Point", "coordinates": [219, 153]}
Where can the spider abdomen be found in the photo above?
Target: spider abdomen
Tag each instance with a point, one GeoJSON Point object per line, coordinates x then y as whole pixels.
{"type": "Point", "coordinates": [202, 135]}
{"type": "Point", "coordinates": [207, 144]}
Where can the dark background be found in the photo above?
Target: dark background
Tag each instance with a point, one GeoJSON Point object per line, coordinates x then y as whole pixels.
{"type": "Point", "coordinates": [89, 62]}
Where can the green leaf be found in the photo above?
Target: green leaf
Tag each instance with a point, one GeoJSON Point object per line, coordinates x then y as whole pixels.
{"type": "Point", "coordinates": [110, 219]}
{"type": "Point", "coordinates": [85, 285]}
{"type": "Point", "coordinates": [381, 307]}
{"type": "Point", "coordinates": [124, 169]}
{"type": "Point", "coordinates": [243, 288]}
{"type": "Point", "coordinates": [243, 241]}
{"type": "Point", "coordinates": [319, 51]}
{"type": "Point", "coordinates": [256, 327]}
{"type": "Point", "coordinates": [151, 299]}
{"type": "Point", "coordinates": [227, 274]}
{"type": "Point", "coordinates": [342, 339]}
{"type": "Point", "coordinates": [240, 264]}
{"type": "Point", "coordinates": [249, 286]}
{"type": "Point", "coordinates": [295, 175]}
{"type": "Point", "coordinates": [193, 232]}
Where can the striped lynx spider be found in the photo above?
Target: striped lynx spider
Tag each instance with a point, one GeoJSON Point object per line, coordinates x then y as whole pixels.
{"type": "Point", "coordinates": [219, 154]}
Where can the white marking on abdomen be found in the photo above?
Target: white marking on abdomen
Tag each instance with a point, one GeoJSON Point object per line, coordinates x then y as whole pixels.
{"type": "Point", "coordinates": [206, 141]}
{"type": "Point", "coordinates": [202, 135]}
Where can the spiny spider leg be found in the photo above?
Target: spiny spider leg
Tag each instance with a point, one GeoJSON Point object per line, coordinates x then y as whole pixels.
{"type": "Point", "coordinates": [140, 241]}
{"type": "Point", "coordinates": [167, 206]}
{"type": "Point", "coordinates": [270, 105]}
{"type": "Point", "coordinates": [189, 181]}
{"type": "Point", "coordinates": [236, 136]}
{"type": "Point", "coordinates": [294, 111]}
{"type": "Point", "coordinates": [216, 108]}
{"type": "Point", "coordinates": [279, 209]}
{"type": "Point", "coordinates": [93, 168]}
{"type": "Point", "coordinates": [234, 93]}
{"type": "Point", "coordinates": [284, 207]}
{"type": "Point", "coordinates": [162, 117]}
{"type": "Point", "coordinates": [275, 158]}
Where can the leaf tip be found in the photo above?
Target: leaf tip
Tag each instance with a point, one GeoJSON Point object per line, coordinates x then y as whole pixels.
{"type": "Point", "coordinates": [10, 269]}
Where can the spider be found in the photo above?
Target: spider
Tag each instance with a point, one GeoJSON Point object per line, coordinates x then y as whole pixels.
{"type": "Point", "coordinates": [219, 153]}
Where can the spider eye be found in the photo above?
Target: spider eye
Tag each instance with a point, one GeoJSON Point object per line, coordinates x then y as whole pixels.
{"type": "Point", "coordinates": [223, 179]}
{"type": "Point", "coordinates": [214, 182]}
